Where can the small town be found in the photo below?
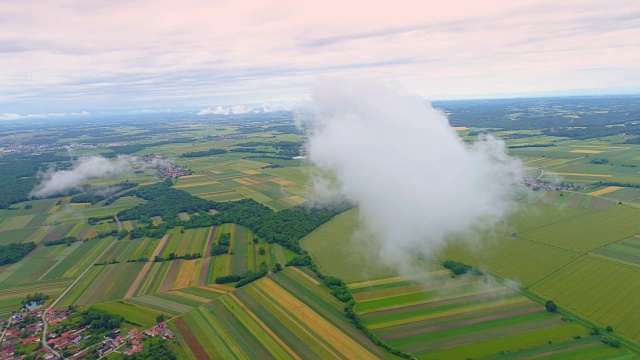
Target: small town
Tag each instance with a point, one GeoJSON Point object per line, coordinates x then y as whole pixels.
{"type": "Point", "coordinates": [21, 338]}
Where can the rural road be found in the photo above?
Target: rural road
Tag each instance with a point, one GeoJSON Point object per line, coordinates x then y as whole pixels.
{"type": "Point", "coordinates": [5, 330]}
{"type": "Point", "coordinates": [118, 221]}
{"type": "Point", "coordinates": [53, 304]}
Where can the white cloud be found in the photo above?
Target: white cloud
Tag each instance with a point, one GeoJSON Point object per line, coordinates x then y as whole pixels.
{"type": "Point", "coordinates": [239, 109]}
{"type": "Point", "coordinates": [441, 186]}
{"type": "Point", "coordinates": [219, 110]}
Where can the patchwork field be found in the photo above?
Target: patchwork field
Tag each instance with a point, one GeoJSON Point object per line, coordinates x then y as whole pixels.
{"type": "Point", "coordinates": [437, 317]}
{"type": "Point", "coordinates": [282, 316]}
{"type": "Point", "coordinates": [626, 251]}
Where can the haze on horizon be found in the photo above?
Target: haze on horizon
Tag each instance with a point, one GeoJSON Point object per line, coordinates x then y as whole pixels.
{"type": "Point", "coordinates": [73, 57]}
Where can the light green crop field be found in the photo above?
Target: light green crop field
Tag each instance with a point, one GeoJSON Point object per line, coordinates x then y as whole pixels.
{"type": "Point", "coordinates": [609, 302]}
{"type": "Point", "coordinates": [332, 249]}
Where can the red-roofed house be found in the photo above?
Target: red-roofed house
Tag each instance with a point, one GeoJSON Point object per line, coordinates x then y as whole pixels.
{"type": "Point", "coordinates": [30, 340]}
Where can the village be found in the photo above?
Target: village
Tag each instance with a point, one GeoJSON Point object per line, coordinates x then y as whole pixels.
{"type": "Point", "coordinates": [21, 338]}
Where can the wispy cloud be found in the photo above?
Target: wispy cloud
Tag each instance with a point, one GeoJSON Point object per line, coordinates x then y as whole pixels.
{"type": "Point", "coordinates": [120, 55]}
{"type": "Point", "coordinates": [14, 116]}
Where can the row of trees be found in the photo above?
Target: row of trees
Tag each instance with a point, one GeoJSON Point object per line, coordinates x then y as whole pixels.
{"type": "Point", "coordinates": [459, 268]}
{"type": "Point", "coordinates": [65, 240]}
{"type": "Point", "coordinates": [246, 278]}
{"type": "Point", "coordinates": [173, 256]}
{"type": "Point", "coordinates": [210, 152]}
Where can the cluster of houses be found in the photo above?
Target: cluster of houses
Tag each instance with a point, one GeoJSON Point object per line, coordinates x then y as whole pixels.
{"type": "Point", "coordinates": [25, 327]}
{"type": "Point", "coordinates": [17, 334]}
{"type": "Point", "coordinates": [536, 184]}
{"type": "Point", "coordinates": [71, 340]}
{"type": "Point", "coordinates": [132, 342]}
{"type": "Point", "coordinates": [67, 339]}
{"type": "Point", "coordinates": [56, 316]}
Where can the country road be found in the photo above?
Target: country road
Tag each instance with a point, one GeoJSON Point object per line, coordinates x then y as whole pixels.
{"type": "Point", "coordinates": [118, 221]}
{"type": "Point", "coordinates": [53, 304]}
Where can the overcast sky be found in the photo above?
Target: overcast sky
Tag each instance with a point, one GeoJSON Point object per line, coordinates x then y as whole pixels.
{"type": "Point", "coordinates": [60, 57]}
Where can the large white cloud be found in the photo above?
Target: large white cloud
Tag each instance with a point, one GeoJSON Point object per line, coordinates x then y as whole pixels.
{"type": "Point", "coordinates": [414, 179]}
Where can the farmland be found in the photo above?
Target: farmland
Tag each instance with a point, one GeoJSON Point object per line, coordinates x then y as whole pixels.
{"type": "Point", "coordinates": [470, 316]}
{"type": "Point", "coordinates": [283, 316]}
{"type": "Point", "coordinates": [575, 245]}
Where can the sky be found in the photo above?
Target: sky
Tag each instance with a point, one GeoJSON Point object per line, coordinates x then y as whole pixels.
{"type": "Point", "coordinates": [76, 58]}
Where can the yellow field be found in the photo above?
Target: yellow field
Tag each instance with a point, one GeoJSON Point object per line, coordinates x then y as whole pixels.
{"type": "Point", "coordinates": [222, 288]}
{"type": "Point", "coordinates": [534, 160]}
{"type": "Point", "coordinates": [579, 174]}
{"type": "Point", "coordinates": [304, 275]}
{"type": "Point", "coordinates": [188, 274]}
{"type": "Point", "coordinates": [215, 171]}
{"type": "Point", "coordinates": [190, 296]}
{"type": "Point", "coordinates": [297, 199]}
{"type": "Point", "coordinates": [53, 209]}
{"type": "Point", "coordinates": [606, 190]}
{"type": "Point", "coordinates": [246, 181]}
{"type": "Point", "coordinates": [251, 172]}
{"type": "Point", "coordinates": [460, 128]}
{"type": "Point", "coordinates": [327, 331]}
{"type": "Point", "coordinates": [584, 151]}
{"type": "Point", "coordinates": [196, 184]}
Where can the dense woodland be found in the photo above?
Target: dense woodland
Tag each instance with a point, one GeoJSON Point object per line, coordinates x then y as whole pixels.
{"type": "Point", "coordinates": [95, 194]}
{"type": "Point", "coordinates": [12, 253]}
{"type": "Point", "coordinates": [18, 183]}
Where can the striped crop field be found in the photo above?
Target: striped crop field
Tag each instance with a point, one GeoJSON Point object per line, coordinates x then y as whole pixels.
{"type": "Point", "coordinates": [626, 251]}
{"type": "Point", "coordinates": [188, 274]}
{"type": "Point", "coordinates": [189, 242]}
{"type": "Point", "coordinates": [282, 316]}
{"type": "Point", "coordinates": [52, 262]}
{"type": "Point", "coordinates": [439, 317]}
{"type": "Point", "coordinates": [125, 250]}
{"type": "Point", "coordinates": [240, 257]}
{"type": "Point", "coordinates": [103, 283]}
{"type": "Point", "coordinates": [177, 302]}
